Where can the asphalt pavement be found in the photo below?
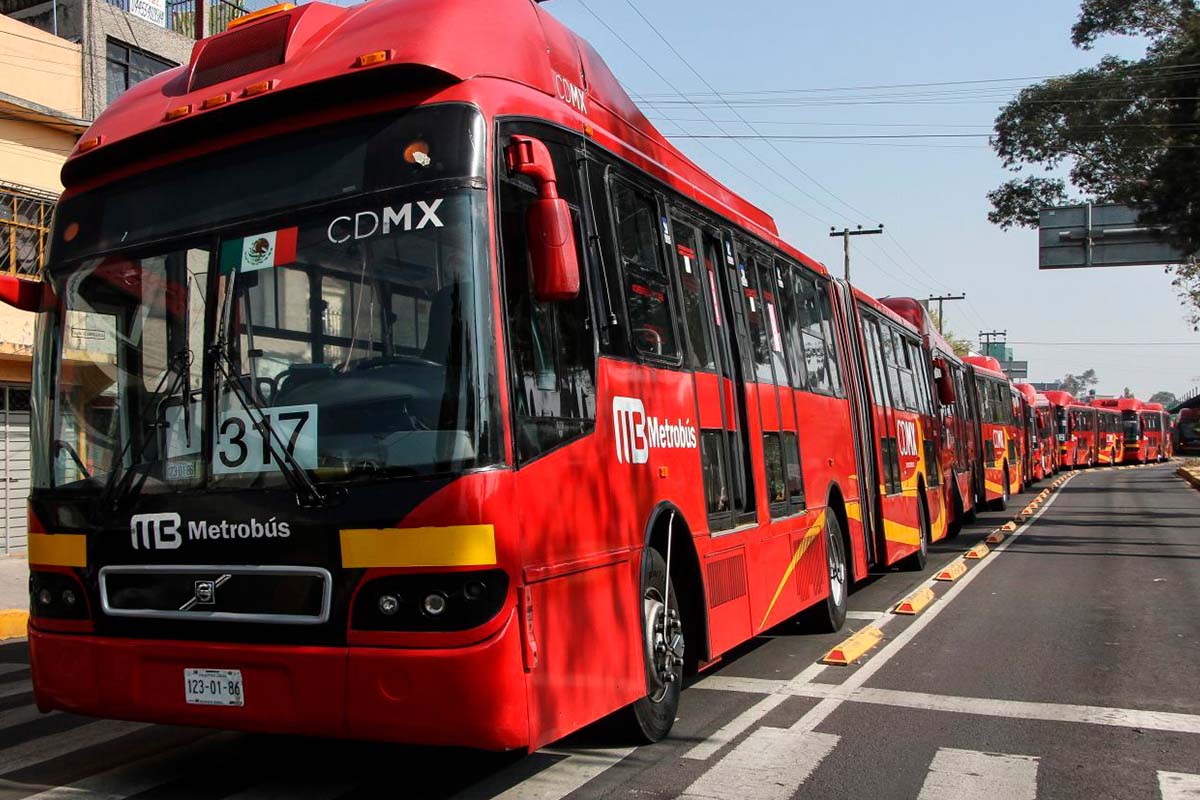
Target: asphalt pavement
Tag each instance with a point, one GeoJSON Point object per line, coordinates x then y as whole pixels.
{"type": "Point", "coordinates": [1064, 664]}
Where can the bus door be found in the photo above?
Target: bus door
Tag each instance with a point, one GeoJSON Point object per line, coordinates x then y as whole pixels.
{"type": "Point", "coordinates": [862, 410]}
{"type": "Point", "coordinates": [888, 488]}
{"type": "Point", "coordinates": [720, 382]}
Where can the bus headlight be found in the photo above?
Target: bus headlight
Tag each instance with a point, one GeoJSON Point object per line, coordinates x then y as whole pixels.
{"type": "Point", "coordinates": [56, 596]}
{"type": "Point", "coordinates": [452, 601]}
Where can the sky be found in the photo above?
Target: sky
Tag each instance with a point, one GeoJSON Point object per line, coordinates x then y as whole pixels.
{"type": "Point", "coordinates": [930, 194]}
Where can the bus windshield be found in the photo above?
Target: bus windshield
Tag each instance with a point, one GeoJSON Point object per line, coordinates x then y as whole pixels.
{"type": "Point", "coordinates": [1133, 428]}
{"type": "Point", "coordinates": [347, 338]}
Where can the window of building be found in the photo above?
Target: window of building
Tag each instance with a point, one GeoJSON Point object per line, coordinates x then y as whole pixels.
{"type": "Point", "coordinates": [127, 66]}
{"type": "Point", "coordinates": [24, 225]}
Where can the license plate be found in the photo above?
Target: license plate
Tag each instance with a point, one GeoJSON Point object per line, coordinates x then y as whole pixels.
{"type": "Point", "coordinates": [213, 687]}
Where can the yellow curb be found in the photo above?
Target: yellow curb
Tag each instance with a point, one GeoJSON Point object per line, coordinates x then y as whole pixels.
{"type": "Point", "coordinates": [977, 552]}
{"type": "Point", "coordinates": [954, 569]}
{"type": "Point", "coordinates": [995, 537]}
{"type": "Point", "coordinates": [13, 623]}
{"type": "Point", "coordinates": [854, 647]}
{"type": "Point", "coordinates": [1009, 527]}
{"type": "Point", "coordinates": [1190, 474]}
{"type": "Point", "coordinates": [915, 602]}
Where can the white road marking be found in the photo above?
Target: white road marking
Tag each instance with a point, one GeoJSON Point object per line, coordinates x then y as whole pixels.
{"type": "Point", "coordinates": [734, 728]}
{"type": "Point", "coordinates": [1178, 786]}
{"type": "Point", "coordinates": [971, 775]}
{"type": "Point", "coordinates": [768, 765]}
{"type": "Point", "coordinates": [48, 748]}
{"type": "Point", "coordinates": [867, 615]}
{"type": "Point", "coordinates": [20, 716]}
{"type": "Point", "coordinates": [15, 688]}
{"type": "Point", "coordinates": [136, 777]}
{"type": "Point", "coordinates": [823, 709]}
{"type": "Point", "coordinates": [564, 777]}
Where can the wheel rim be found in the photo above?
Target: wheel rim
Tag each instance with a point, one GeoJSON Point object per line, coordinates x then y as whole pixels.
{"type": "Point", "coordinates": [664, 644]}
{"type": "Point", "coordinates": [837, 568]}
{"type": "Point", "coordinates": [924, 531]}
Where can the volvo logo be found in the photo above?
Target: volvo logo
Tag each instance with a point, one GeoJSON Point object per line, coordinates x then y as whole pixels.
{"type": "Point", "coordinates": [204, 593]}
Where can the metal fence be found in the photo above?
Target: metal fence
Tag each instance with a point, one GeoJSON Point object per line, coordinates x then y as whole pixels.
{"type": "Point", "coordinates": [24, 229]}
{"type": "Point", "coordinates": [181, 15]}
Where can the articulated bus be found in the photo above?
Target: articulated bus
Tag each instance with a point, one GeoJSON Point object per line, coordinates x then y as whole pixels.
{"type": "Point", "coordinates": [1154, 427]}
{"type": "Point", "coordinates": [1038, 441]}
{"type": "Point", "coordinates": [999, 430]}
{"type": "Point", "coordinates": [1134, 441]}
{"type": "Point", "coordinates": [1109, 443]}
{"type": "Point", "coordinates": [415, 388]}
{"type": "Point", "coordinates": [1083, 428]}
{"type": "Point", "coordinates": [958, 423]}
{"type": "Point", "coordinates": [1064, 431]}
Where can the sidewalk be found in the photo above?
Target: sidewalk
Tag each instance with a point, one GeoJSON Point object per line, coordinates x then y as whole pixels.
{"type": "Point", "coordinates": [14, 582]}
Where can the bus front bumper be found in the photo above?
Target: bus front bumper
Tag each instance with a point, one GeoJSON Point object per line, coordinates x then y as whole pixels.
{"type": "Point", "coordinates": [470, 696]}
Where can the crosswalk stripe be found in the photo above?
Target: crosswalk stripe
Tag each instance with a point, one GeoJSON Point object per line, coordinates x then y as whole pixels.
{"type": "Point", "coordinates": [47, 748]}
{"type": "Point", "coordinates": [564, 777]}
{"type": "Point", "coordinates": [15, 688]}
{"type": "Point", "coordinates": [971, 775]}
{"type": "Point", "coordinates": [21, 716]}
{"type": "Point", "coordinates": [130, 779]}
{"type": "Point", "coordinates": [769, 764]}
{"type": "Point", "coordinates": [1178, 786]}
{"type": "Point", "coordinates": [730, 731]}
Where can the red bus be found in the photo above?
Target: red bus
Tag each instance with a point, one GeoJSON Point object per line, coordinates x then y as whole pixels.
{"type": "Point", "coordinates": [1064, 433]}
{"type": "Point", "coordinates": [1109, 443]}
{"type": "Point", "coordinates": [958, 434]}
{"type": "Point", "coordinates": [999, 430]}
{"type": "Point", "coordinates": [1134, 449]}
{"type": "Point", "coordinates": [1154, 427]}
{"type": "Point", "coordinates": [1038, 438]}
{"type": "Point", "coordinates": [454, 405]}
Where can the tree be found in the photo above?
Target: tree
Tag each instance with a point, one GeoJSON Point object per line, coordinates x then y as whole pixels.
{"type": "Point", "coordinates": [1125, 131]}
{"type": "Point", "coordinates": [961, 346]}
{"type": "Point", "coordinates": [1168, 399]}
{"type": "Point", "coordinates": [1078, 384]}
{"type": "Point", "coordinates": [1127, 393]}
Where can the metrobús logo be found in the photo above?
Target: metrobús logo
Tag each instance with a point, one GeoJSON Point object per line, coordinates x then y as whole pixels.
{"type": "Point", "coordinates": [162, 531]}
{"type": "Point", "coordinates": [636, 434]}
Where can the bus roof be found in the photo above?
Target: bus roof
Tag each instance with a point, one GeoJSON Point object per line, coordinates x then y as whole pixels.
{"type": "Point", "coordinates": [1028, 392]}
{"type": "Point", "coordinates": [318, 46]}
{"type": "Point", "coordinates": [986, 364]}
{"type": "Point", "coordinates": [915, 313]}
{"type": "Point", "coordinates": [1057, 398]}
{"type": "Point", "coordinates": [883, 309]}
{"type": "Point", "coordinates": [1152, 407]}
{"type": "Point", "coordinates": [1118, 403]}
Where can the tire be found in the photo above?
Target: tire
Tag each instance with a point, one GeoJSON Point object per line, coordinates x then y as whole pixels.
{"type": "Point", "coordinates": [649, 719]}
{"type": "Point", "coordinates": [829, 616]}
{"type": "Point", "coordinates": [1001, 502]}
{"type": "Point", "coordinates": [916, 562]}
{"type": "Point", "coordinates": [956, 525]}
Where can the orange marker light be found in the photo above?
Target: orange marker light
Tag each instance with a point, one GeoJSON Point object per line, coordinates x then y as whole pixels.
{"type": "Point", "coordinates": [258, 88]}
{"type": "Point", "coordinates": [278, 8]}
{"type": "Point", "coordinates": [90, 143]}
{"type": "Point", "coordinates": [177, 112]}
{"type": "Point", "coordinates": [371, 59]}
{"type": "Point", "coordinates": [215, 100]}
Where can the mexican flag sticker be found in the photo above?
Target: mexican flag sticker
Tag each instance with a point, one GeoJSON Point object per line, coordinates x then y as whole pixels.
{"type": "Point", "coordinates": [260, 251]}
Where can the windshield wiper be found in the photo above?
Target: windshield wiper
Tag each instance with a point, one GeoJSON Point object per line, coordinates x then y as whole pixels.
{"type": "Point", "coordinates": [308, 494]}
{"type": "Point", "coordinates": [117, 489]}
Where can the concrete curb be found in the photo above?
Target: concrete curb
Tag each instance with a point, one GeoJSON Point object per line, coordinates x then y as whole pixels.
{"type": "Point", "coordinates": [1190, 474]}
{"type": "Point", "coordinates": [13, 623]}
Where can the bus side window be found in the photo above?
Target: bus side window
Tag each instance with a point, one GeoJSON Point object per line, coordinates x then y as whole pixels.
{"type": "Point", "coordinates": [638, 227]}
{"type": "Point", "coordinates": [552, 361]}
{"type": "Point", "coordinates": [791, 324]}
{"type": "Point", "coordinates": [829, 328]}
{"type": "Point", "coordinates": [756, 315]}
{"type": "Point", "coordinates": [816, 366]}
{"type": "Point", "coordinates": [692, 277]}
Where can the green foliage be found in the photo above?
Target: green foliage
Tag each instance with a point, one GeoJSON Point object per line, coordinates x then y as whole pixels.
{"type": "Point", "coordinates": [1077, 384]}
{"type": "Point", "coordinates": [1168, 399]}
{"type": "Point", "coordinates": [1125, 131]}
{"type": "Point", "coordinates": [961, 346]}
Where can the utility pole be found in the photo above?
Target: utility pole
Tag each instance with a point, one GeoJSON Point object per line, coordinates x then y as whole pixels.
{"type": "Point", "coordinates": [940, 299]}
{"type": "Point", "coordinates": [846, 233]}
{"type": "Point", "coordinates": [990, 337]}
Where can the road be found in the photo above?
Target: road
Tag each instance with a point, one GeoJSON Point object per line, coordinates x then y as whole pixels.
{"type": "Point", "coordinates": [1064, 664]}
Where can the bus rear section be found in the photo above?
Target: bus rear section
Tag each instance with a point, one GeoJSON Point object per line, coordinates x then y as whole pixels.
{"type": "Point", "coordinates": [1154, 427]}
{"type": "Point", "coordinates": [999, 431]}
{"type": "Point", "coordinates": [1109, 439]}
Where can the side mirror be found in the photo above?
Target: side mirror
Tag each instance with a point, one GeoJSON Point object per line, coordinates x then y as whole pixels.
{"type": "Point", "coordinates": [25, 295]}
{"type": "Point", "coordinates": [553, 257]}
{"type": "Point", "coordinates": [945, 387]}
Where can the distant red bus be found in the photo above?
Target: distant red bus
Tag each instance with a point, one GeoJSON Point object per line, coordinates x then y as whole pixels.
{"type": "Point", "coordinates": [1155, 426]}
{"type": "Point", "coordinates": [999, 430]}
{"type": "Point", "coordinates": [1109, 443]}
{"type": "Point", "coordinates": [1038, 441]}
{"type": "Point", "coordinates": [1064, 433]}
{"type": "Point", "coordinates": [1134, 448]}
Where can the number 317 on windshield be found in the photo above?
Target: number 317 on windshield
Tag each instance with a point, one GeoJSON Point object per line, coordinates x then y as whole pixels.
{"type": "Point", "coordinates": [240, 447]}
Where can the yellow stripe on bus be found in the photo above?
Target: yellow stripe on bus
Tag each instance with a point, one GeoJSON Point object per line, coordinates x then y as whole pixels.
{"type": "Point", "coordinates": [58, 549]}
{"type": "Point", "coordinates": [810, 536]}
{"type": "Point", "coordinates": [896, 532]}
{"type": "Point", "coordinates": [453, 546]}
{"type": "Point", "coordinates": [991, 486]}
{"type": "Point", "coordinates": [854, 510]}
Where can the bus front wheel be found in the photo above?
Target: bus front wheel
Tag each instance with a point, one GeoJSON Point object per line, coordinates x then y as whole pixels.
{"type": "Point", "coordinates": [649, 719]}
{"type": "Point", "coordinates": [830, 615]}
